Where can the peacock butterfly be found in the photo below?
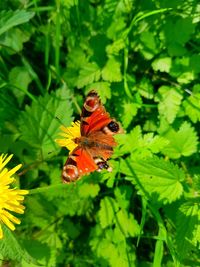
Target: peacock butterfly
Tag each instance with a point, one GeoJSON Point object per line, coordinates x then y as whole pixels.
{"type": "Point", "coordinates": [95, 144]}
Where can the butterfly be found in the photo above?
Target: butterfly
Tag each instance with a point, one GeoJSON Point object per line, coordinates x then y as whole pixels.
{"type": "Point", "coordinates": [95, 144]}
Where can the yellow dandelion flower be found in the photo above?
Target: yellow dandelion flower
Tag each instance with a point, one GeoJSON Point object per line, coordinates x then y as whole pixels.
{"type": "Point", "coordinates": [10, 198]}
{"type": "Point", "coordinates": [69, 134]}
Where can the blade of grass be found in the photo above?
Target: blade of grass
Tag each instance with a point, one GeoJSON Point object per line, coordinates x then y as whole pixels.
{"type": "Point", "coordinates": [57, 39]}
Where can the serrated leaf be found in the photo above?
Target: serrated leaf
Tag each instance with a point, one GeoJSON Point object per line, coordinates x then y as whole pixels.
{"type": "Point", "coordinates": [169, 102]}
{"type": "Point", "coordinates": [187, 228]}
{"type": "Point", "coordinates": [126, 223]}
{"type": "Point", "coordinates": [157, 177]}
{"type": "Point", "coordinates": [103, 89]}
{"type": "Point", "coordinates": [38, 124]}
{"type": "Point", "coordinates": [127, 143]}
{"type": "Point", "coordinates": [162, 64]}
{"type": "Point", "coordinates": [11, 249]}
{"type": "Point", "coordinates": [108, 207]}
{"type": "Point", "coordinates": [129, 112]}
{"type": "Point", "coordinates": [112, 72]}
{"type": "Point", "coordinates": [145, 88]}
{"type": "Point", "coordinates": [116, 28]}
{"type": "Point", "coordinates": [192, 107]}
{"type": "Point", "coordinates": [88, 190]}
{"type": "Point", "coordinates": [186, 77]}
{"type": "Point", "coordinates": [157, 143]}
{"type": "Point", "coordinates": [140, 146]}
{"type": "Point", "coordinates": [180, 66]}
{"type": "Point", "coordinates": [10, 19]}
{"type": "Point", "coordinates": [182, 142]}
{"type": "Point", "coordinates": [115, 47]}
{"type": "Point", "coordinates": [123, 194]}
{"type": "Point", "coordinates": [89, 73]}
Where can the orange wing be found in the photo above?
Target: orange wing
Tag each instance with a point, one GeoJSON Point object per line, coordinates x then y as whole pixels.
{"type": "Point", "coordinates": [78, 163]}
{"type": "Point", "coordinates": [95, 118]}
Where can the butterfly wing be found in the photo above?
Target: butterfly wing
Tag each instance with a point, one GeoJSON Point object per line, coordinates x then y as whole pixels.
{"type": "Point", "coordinates": [95, 118]}
{"type": "Point", "coordinates": [78, 163]}
{"type": "Point", "coordinates": [98, 129]}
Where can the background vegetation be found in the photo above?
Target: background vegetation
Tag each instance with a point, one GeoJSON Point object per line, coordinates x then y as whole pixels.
{"type": "Point", "coordinates": [143, 57]}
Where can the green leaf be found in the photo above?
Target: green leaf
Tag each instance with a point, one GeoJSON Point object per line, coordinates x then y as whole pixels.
{"type": "Point", "coordinates": [10, 248]}
{"type": "Point", "coordinates": [20, 77]}
{"type": "Point", "coordinates": [169, 102]}
{"type": "Point", "coordinates": [37, 250]}
{"type": "Point", "coordinates": [89, 190]}
{"type": "Point", "coordinates": [140, 146]}
{"type": "Point", "coordinates": [180, 35]}
{"type": "Point", "coordinates": [192, 106]}
{"type": "Point", "coordinates": [162, 64]}
{"type": "Point", "coordinates": [158, 178]}
{"type": "Point", "coordinates": [182, 142]}
{"type": "Point", "coordinates": [88, 74]}
{"type": "Point", "coordinates": [11, 19]}
{"type": "Point", "coordinates": [186, 77]}
{"type": "Point", "coordinates": [115, 47]}
{"type": "Point", "coordinates": [123, 194]}
{"type": "Point", "coordinates": [195, 62]}
{"type": "Point", "coordinates": [108, 207]}
{"type": "Point", "coordinates": [19, 37]}
{"type": "Point", "coordinates": [145, 88]}
{"type": "Point", "coordinates": [187, 228]}
{"type": "Point", "coordinates": [39, 125]}
{"type": "Point", "coordinates": [111, 71]}
{"type": "Point", "coordinates": [127, 143]}
{"type": "Point", "coordinates": [116, 28]}
{"type": "Point", "coordinates": [103, 89]}
{"type": "Point", "coordinates": [149, 44]}
{"type": "Point", "coordinates": [129, 112]}
{"type": "Point", "coordinates": [174, 30]}
{"type": "Point", "coordinates": [126, 223]}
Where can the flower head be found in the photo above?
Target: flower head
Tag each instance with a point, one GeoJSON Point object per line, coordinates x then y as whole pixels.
{"type": "Point", "coordinates": [10, 198]}
{"type": "Point", "coordinates": [69, 134]}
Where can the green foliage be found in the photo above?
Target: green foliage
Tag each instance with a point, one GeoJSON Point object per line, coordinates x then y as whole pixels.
{"type": "Point", "coordinates": [143, 59]}
{"type": "Point", "coordinates": [158, 178]}
{"type": "Point", "coordinates": [10, 19]}
{"type": "Point", "coordinates": [38, 122]}
{"type": "Point", "coordinates": [15, 251]}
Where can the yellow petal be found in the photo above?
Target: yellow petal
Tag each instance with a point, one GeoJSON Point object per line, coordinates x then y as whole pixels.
{"type": "Point", "coordinates": [15, 169]}
{"type": "Point", "coordinates": [4, 161]}
{"type": "Point", "coordinates": [11, 217]}
{"type": "Point", "coordinates": [6, 221]}
{"type": "Point", "coordinates": [1, 232]}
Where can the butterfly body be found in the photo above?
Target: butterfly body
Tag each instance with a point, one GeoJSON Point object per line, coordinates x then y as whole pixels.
{"type": "Point", "coordinates": [95, 145]}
